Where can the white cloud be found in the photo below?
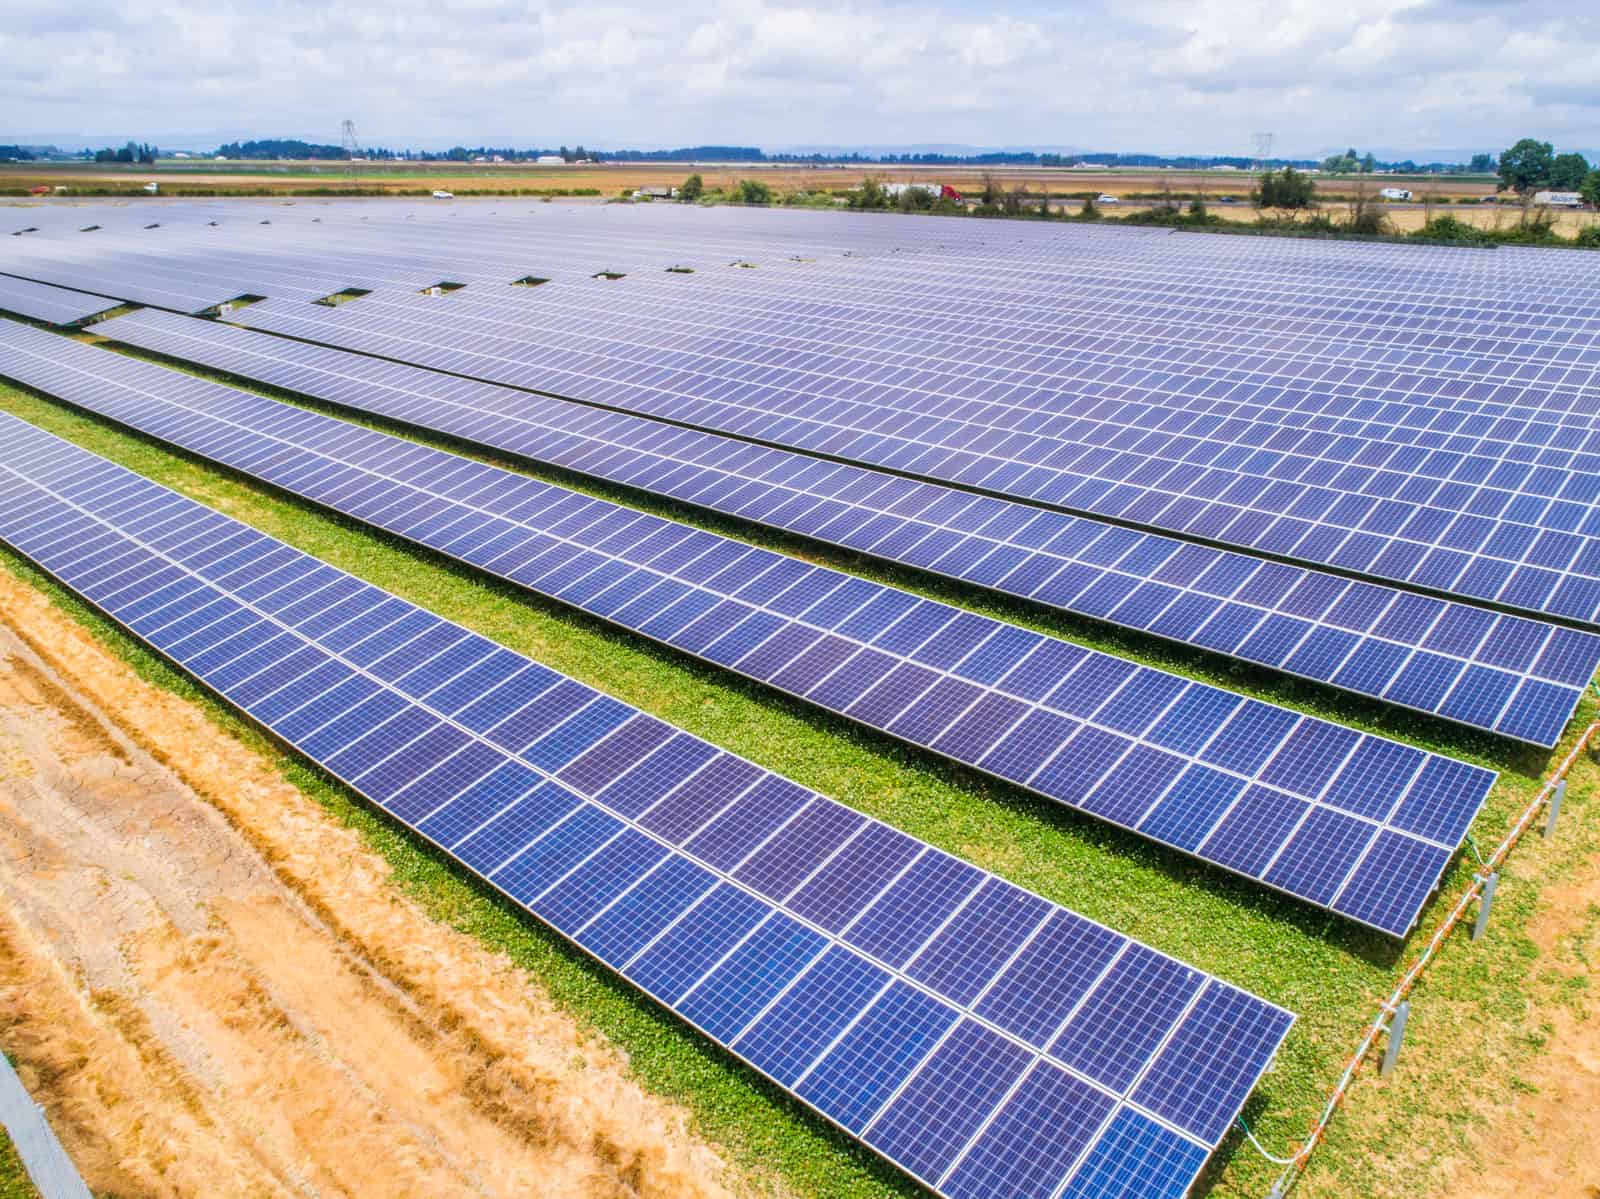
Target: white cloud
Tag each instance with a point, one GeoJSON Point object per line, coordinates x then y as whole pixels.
{"type": "Point", "coordinates": [1165, 75]}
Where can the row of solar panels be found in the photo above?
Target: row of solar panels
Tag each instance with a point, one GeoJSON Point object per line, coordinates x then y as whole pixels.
{"type": "Point", "coordinates": [1516, 676]}
{"type": "Point", "coordinates": [1106, 282]}
{"type": "Point", "coordinates": [1105, 288]}
{"type": "Point", "coordinates": [988, 1042]}
{"type": "Point", "coordinates": [1274, 795]}
{"type": "Point", "coordinates": [1356, 823]}
{"type": "Point", "coordinates": [1487, 555]}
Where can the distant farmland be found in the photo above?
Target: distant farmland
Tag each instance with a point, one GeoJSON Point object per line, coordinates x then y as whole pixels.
{"type": "Point", "coordinates": [180, 176]}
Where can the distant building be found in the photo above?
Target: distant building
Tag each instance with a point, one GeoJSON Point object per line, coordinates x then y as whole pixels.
{"type": "Point", "coordinates": [1558, 199]}
{"type": "Point", "coordinates": [550, 160]}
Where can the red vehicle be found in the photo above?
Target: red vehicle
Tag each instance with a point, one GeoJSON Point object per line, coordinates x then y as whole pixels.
{"type": "Point", "coordinates": [949, 193]}
{"type": "Point", "coordinates": [41, 190]}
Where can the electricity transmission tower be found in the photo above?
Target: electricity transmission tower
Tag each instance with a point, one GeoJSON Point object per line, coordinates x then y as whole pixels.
{"type": "Point", "coordinates": [352, 148]}
{"type": "Point", "coordinates": [1263, 144]}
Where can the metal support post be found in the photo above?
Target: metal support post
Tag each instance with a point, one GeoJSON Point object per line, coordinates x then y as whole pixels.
{"type": "Point", "coordinates": [1397, 1033]}
{"type": "Point", "coordinates": [1485, 901]}
{"type": "Point", "coordinates": [1556, 797]}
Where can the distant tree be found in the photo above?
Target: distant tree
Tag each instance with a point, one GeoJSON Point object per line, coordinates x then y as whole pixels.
{"type": "Point", "coordinates": [1568, 172]}
{"type": "Point", "coordinates": [1526, 166]}
{"type": "Point", "coordinates": [1347, 163]}
{"type": "Point", "coordinates": [1287, 190]}
{"type": "Point", "coordinates": [1591, 188]}
{"type": "Point", "coordinates": [1369, 164]}
{"type": "Point", "coordinates": [990, 194]}
{"type": "Point", "coordinates": [753, 191]}
{"type": "Point", "coordinates": [275, 148]}
{"type": "Point", "coordinates": [1483, 164]}
{"type": "Point", "coordinates": [693, 188]}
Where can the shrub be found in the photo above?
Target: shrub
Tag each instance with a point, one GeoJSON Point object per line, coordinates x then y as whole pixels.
{"type": "Point", "coordinates": [1449, 228]}
{"type": "Point", "coordinates": [871, 194]}
{"type": "Point", "coordinates": [1589, 236]}
{"type": "Point", "coordinates": [692, 189]}
{"type": "Point", "coordinates": [1287, 190]}
{"type": "Point", "coordinates": [753, 191]}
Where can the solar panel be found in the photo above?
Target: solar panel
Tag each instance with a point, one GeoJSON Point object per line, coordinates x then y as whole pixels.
{"type": "Point", "coordinates": [41, 302]}
{"type": "Point", "coordinates": [1405, 517]}
{"type": "Point", "coordinates": [938, 1046]}
{"type": "Point", "coordinates": [1502, 672]}
{"type": "Point", "coordinates": [1282, 798]}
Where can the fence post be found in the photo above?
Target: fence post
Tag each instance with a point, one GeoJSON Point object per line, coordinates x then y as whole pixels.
{"type": "Point", "coordinates": [1556, 797]}
{"type": "Point", "coordinates": [1485, 902]}
{"type": "Point", "coordinates": [1397, 1033]}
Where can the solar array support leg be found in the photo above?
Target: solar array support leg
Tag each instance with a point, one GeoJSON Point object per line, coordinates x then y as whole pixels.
{"type": "Point", "coordinates": [1556, 797]}
{"type": "Point", "coordinates": [1397, 1033]}
{"type": "Point", "coordinates": [1485, 902]}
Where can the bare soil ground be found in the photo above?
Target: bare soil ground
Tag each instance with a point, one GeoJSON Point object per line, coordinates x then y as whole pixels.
{"type": "Point", "coordinates": [1544, 1139]}
{"type": "Point", "coordinates": [216, 990]}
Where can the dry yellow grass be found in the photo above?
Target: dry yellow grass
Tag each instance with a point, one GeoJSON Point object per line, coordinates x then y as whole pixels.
{"type": "Point", "coordinates": [291, 177]}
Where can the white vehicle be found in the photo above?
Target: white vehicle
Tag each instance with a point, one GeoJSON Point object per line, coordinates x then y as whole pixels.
{"type": "Point", "coordinates": [152, 187]}
{"type": "Point", "coordinates": [1107, 200]}
{"type": "Point", "coordinates": [1558, 199]}
{"type": "Point", "coordinates": [1394, 193]}
{"type": "Point", "coordinates": [441, 194]}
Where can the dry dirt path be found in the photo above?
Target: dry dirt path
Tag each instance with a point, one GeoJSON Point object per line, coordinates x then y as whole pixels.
{"type": "Point", "coordinates": [1542, 1140]}
{"type": "Point", "coordinates": [216, 991]}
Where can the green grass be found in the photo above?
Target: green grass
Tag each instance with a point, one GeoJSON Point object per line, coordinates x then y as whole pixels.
{"type": "Point", "coordinates": [1326, 970]}
{"type": "Point", "coordinates": [14, 1180]}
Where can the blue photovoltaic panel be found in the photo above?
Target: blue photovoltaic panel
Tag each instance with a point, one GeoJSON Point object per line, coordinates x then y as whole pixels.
{"type": "Point", "coordinates": [1516, 676]}
{"type": "Point", "coordinates": [1083, 728]}
{"type": "Point", "coordinates": [916, 1069]}
{"type": "Point", "coordinates": [56, 305]}
{"type": "Point", "coordinates": [1393, 512]}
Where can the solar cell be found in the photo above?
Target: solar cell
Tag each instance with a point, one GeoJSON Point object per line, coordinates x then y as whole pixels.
{"type": "Point", "coordinates": [1080, 727]}
{"type": "Point", "coordinates": [1515, 681]}
{"type": "Point", "coordinates": [922, 1076]}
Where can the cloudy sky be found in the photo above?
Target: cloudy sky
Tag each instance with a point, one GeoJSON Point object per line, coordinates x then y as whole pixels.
{"type": "Point", "coordinates": [1158, 75]}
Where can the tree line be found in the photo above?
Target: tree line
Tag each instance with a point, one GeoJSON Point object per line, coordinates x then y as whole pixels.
{"type": "Point", "coordinates": [139, 152]}
{"type": "Point", "coordinates": [1534, 166]}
